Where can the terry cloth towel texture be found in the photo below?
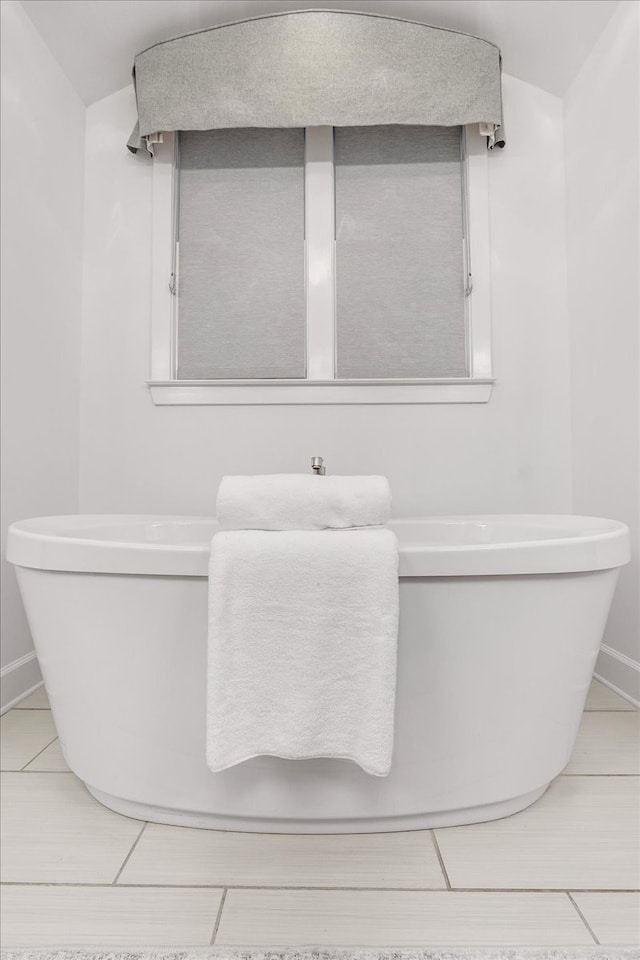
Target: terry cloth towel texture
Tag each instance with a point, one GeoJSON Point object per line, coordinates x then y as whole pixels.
{"type": "Point", "coordinates": [302, 646]}
{"type": "Point", "coordinates": [303, 621]}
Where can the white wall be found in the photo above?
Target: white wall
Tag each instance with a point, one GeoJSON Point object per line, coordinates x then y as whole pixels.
{"type": "Point", "coordinates": [514, 454]}
{"type": "Point", "coordinates": [603, 216]}
{"type": "Point", "coordinates": [42, 173]}
{"type": "Point", "coordinates": [510, 455]}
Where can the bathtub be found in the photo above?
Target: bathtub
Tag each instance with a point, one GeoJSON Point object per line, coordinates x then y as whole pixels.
{"type": "Point", "coordinates": [501, 620]}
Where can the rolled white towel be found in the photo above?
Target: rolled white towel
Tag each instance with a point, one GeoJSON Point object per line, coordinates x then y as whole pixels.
{"type": "Point", "coordinates": [297, 501]}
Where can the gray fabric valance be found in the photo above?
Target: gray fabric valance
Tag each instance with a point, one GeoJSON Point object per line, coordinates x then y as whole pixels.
{"type": "Point", "coordinates": [314, 67]}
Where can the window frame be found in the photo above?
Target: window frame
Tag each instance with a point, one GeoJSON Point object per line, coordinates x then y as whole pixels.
{"type": "Point", "coordinates": [320, 387]}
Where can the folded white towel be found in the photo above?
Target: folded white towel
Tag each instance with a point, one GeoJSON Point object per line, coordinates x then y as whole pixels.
{"type": "Point", "coordinates": [299, 501]}
{"type": "Point", "coordinates": [302, 646]}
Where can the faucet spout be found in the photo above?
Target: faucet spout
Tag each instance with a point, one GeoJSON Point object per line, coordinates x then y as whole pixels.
{"type": "Point", "coordinates": [317, 466]}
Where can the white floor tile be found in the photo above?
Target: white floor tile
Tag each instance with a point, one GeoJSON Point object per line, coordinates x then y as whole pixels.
{"type": "Point", "coordinates": [50, 760]}
{"type": "Point", "coordinates": [178, 855]}
{"type": "Point", "coordinates": [391, 918]}
{"type": "Point", "coordinates": [602, 698]}
{"type": "Point", "coordinates": [23, 734]}
{"type": "Point", "coordinates": [106, 916]}
{"type": "Point", "coordinates": [613, 917]}
{"type": "Point", "coordinates": [54, 832]}
{"type": "Point", "coordinates": [38, 700]}
{"type": "Point", "coordinates": [582, 834]}
{"type": "Point", "coordinates": [607, 743]}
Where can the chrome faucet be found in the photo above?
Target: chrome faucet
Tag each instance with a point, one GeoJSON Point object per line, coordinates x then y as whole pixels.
{"type": "Point", "coordinates": [317, 466]}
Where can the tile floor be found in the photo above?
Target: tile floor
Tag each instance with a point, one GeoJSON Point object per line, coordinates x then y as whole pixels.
{"type": "Point", "coordinates": [565, 871]}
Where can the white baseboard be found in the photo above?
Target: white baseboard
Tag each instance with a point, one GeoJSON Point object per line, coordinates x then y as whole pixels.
{"type": "Point", "coordinates": [620, 673]}
{"type": "Point", "coordinates": [19, 679]}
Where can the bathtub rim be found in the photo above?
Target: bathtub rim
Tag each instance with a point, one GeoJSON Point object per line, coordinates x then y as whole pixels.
{"type": "Point", "coordinates": [35, 543]}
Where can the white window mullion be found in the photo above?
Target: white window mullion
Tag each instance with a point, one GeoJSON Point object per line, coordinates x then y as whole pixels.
{"type": "Point", "coordinates": [163, 266]}
{"type": "Point", "coordinates": [479, 253]}
{"type": "Point", "coordinates": [320, 252]}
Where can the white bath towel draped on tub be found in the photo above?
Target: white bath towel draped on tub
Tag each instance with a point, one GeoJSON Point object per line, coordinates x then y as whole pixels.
{"type": "Point", "coordinates": [302, 645]}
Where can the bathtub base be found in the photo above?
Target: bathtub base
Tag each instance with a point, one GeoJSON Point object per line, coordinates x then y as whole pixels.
{"type": "Point", "coordinates": [418, 821]}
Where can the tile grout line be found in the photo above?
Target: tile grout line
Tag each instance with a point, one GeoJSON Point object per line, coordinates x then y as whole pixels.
{"type": "Point", "coordinates": [308, 887]}
{"type": "Point", "coordinates": [629, 709]}
{"type": "Point", "coordinates": [218, 918]}
{"type": "Point", "coordinates": [18, 707]}
{"type": "Point", "coordinates": [23, 770]}
{"type": "Point", "coordinates": [557, 777]}
{"type": "Point", "coordinates": [582, 917]}
{"type": "Point", "coordinates": [126, 859]}
{"type": "Point", "coordinates": [440, 859]}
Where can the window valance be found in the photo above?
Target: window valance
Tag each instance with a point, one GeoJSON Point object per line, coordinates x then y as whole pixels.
{"type": "Point", "coordinates": [315, 67]}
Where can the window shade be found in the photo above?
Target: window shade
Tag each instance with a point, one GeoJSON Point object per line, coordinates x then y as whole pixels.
{"type": "Point", "coordinates": [241, 308]}
{"type": "Point", "coordinates": [400, 297]}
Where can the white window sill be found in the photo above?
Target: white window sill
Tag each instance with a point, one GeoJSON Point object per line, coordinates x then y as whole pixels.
{"type": "Point", "coordinates": [260, 392]}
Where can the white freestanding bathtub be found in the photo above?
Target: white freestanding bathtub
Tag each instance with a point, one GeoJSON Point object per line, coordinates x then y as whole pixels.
{"type": "Point", "coordinates": [501, 618]}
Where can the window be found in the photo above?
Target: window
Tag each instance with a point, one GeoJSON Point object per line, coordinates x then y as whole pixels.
{"type": "Point", "coordinates": [321, 265]}
{"type": "Point", "coordinates": [400, 261]}
{"type": "Point", "coordinates": [240, 277]}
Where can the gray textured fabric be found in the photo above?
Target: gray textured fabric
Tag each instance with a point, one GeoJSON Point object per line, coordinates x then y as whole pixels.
{"type": "Point", "coordinates": [399, 253]}
{"type": "Point", "coordinates": [241, 303]}
{"type": "Point", "coordinates": [135, 141]}
{"type": "Point", "coordinates": [313, 67]}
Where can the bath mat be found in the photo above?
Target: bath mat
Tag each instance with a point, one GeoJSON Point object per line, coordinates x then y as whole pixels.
{"type": "Point", "coordinates": [354, 953]}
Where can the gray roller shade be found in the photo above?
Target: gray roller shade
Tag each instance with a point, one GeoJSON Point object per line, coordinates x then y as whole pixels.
{"type": "Point", "coordinates": [241, 305]}
{"type": "Point", "coordinates": [399, 252]}
{"type": "Point", "coordinates": [314, 67]}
